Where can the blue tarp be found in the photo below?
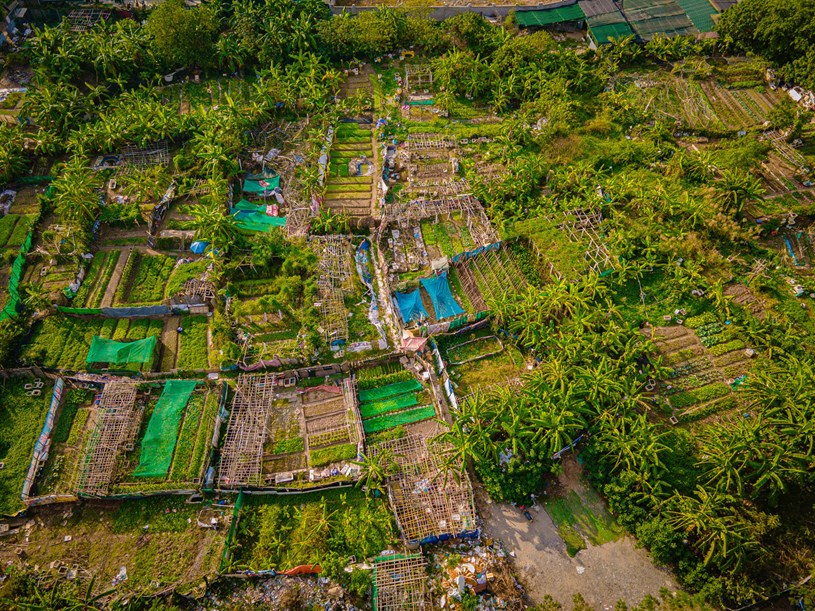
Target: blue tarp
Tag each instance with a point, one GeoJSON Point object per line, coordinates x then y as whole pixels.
{"type": "Point", "coordinates": [443, 302]}
{"type": "Point", "coordinates": [199, 247]}
{"type": "Point", "coordinates": [410, 307]}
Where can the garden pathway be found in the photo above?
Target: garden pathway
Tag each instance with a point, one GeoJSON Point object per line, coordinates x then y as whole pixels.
{"type": "Point", "coordinates": [110, 291]}
{"type": "Point", "coordinates": [169, 342]}
{"type": "Point", "coordinates": [603, 574]}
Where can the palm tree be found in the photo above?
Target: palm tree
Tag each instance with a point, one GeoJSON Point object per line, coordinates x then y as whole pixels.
{"type": "Point", "coordinates": [735, 188]}
{"type": "Point", "coordinates": [375, 469]}
{"type": "Point", "coordinates": [211, 224]}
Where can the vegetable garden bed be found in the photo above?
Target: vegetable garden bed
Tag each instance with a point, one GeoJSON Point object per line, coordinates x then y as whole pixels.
{"type": "Point", "coordinates": [21, 420]}
{"type": "Point", "coordinates": [97, 279]}
{"type": "Point", "coordinates": [144, 279]}
{"type": "Point", "coordinates": [62, 342]}
{"type": "Point", "coordinates": [193, 349]}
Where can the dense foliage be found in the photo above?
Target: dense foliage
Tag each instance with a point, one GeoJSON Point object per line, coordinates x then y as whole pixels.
{"type": "Point", "coordinates": [776, 30]}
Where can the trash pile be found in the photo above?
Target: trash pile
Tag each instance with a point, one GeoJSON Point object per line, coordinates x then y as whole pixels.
{"type": "Point", "coordinates": [482, 570]}
{"type": "Point", "coordinates": [281, 594]}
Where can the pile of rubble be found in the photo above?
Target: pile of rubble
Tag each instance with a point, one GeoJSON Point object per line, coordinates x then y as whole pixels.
{"type": "Point", "coordinates": [480, 569]}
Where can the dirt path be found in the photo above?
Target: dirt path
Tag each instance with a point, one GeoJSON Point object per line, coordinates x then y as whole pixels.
{"type": "Point", "coordinates": [602, 574]}
{"type": "Point", "coordinates": [169, 341]}
{"type": "Point", "coordinates": [110, 290]}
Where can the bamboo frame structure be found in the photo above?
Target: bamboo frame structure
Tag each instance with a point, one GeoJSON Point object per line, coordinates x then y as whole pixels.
{"type": "Point", "coordinates": [198, 287]}
{"type": "Point", "coordinates": [583, 227]}
{"type": "Point", "coordinates": [497, 273]}
{"type": "Point", "coordinates": [335, 278]}
{"type": "Point", "coordinates": [83, 19]}
{"type": "Point", "coordinates": [242, 454]}
{"type": "Point", "coordinates": [429, 499]}
{"type": "Point", "coordinates": [257, 415]}
{"type": "Point", "coordinates": [418, 80]}
{"type": "Point", "coordinates": [140, 157]}
{"type": "Point", "coordinates": [400, 583]}
{"type": "Point", "coordinates": [116, 427]}
{"type": "Point", "coordinates": [331, 421]}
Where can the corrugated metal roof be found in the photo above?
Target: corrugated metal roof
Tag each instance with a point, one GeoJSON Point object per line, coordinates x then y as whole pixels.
{"type": "Point", "coordinates": [561, 14]}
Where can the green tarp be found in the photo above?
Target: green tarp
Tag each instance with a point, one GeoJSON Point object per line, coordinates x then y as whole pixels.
{"type": "Point", "coordinates": [158, 443]}
{"type": "Point", "coordinates": [253, 217]}
{"type": "Point", "coordinates": [391, 390]}
{"type": "Point", "coordinates": [561, 14]}
{"type": "Point", "coordinates": [259, 183]}
{"type": "Point", "coordinates": [110, 351]}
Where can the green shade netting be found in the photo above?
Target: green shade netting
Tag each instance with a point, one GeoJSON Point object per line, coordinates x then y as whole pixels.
{"type": "Point", "coordinates": [253, 217]}
{"type": "Point", "coordinates": [14, 299]}
{"type": "Point", "coordinates": [444, 304]}
{"type": "Point", "coordinates": [384, 423]}
{"type": "Point", "coordinates": [700, 13]}
{"type": "Point", "coordinates": [162, 431]}
{"type": "Point", "coordinates": [561, 14]}
{"type": "Point", "coordinates": [391, 390]}
{"type": "Point", "coordinates": [377, 408]}
{"type": "Point", "coordinates": [110, 351]}
{"type": "Point", "coordinates": [603, 33]}
{"type": "Point", "coordinates": [261, 183]}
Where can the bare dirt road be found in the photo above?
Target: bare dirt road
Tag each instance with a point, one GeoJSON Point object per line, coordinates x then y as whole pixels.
{"type": "Point", "coordinates": [603, 574]}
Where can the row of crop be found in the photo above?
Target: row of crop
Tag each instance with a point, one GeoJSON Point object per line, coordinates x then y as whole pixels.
{"type": "Point", "coordinates": [123, 288]}
{"type": "Point", "coordinates": [125, 329]}
{"type": "Point", "coordinates": [151, 279]}
{"type": "Point", "coordinates": [74, 399]}
{"type": "Point", "coordinates": [14, 228]}
{"type": "Point", "coordinates": [332, 454]}
{"type": "Point", "coordinates": [97, 279]}
{"type": "Point", "coordinates": [700, 395]}
{"type": "Point", "coordinates": [182, 468]}
{"type": "Point", "coordinates": [193, 344]}
{"type": "Point", "coordinates": [144, 279]}
{"type": "Point", "coordinates": [328, 438]}
{"type": "Point", "coordinates": [63, 342]}
{"type": "Point", "coordinates": [380, 375]}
